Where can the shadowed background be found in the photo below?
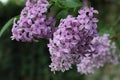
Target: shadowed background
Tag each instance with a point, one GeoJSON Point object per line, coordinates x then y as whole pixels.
{"type": "Point", "coordinates": [30, 61]}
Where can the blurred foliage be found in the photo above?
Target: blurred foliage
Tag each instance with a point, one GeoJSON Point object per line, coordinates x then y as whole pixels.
{"type": "Point", "coordinates": [30, 61]}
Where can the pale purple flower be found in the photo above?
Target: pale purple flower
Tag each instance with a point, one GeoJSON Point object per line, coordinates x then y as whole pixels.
{"type": "Point", "coordinates": [104, 53]}
{"type": "Point", "coordinates": [62, 45]}
{"type": "Point", "coordinates": [71, 40]}
{"type": "Point", "coordinates": [77, 42]}
{"type": "Point", "coordinates": [33, 23]}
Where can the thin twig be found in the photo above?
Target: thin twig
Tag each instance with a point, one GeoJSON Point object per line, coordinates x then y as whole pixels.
{"type": "Point", "coordinates": [86, 3]}
{"type": "Point", "coordinates": [116, 36]}
{"type": "Point", "coordinates": [118, 20]}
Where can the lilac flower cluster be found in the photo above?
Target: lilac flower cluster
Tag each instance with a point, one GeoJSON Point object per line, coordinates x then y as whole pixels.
{"type": "Point", "coordinates": [77, 42]}
{"type": "Point", "coordinates": [104, 52]}
{"type": "Point", "coordinates": [33, 22]}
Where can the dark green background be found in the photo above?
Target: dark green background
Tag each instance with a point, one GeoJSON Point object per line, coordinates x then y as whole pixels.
{"type": "Point", "coordinates": [30, 61]}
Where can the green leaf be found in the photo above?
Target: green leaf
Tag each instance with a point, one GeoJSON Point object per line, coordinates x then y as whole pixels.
{"type": "Point", "coordinates": [62, 14]}
{"type": "Point", "coordinates": [118, 42]}
{"type": "Point", "coordinates": [54, 10]}
{"type": "Point", "coordinates": [70, 3]}
{"type": "Point", "coordinates": [105, 28]}
{"type": "Point", "coordinates": [7, 25]}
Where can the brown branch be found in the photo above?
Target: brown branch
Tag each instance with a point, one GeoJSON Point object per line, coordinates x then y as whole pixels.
{"type": "Point", "coordinates": [116, 36]}
{"type": "Point", "coordinates": [86, 3]}
{"type": "Point", "coordinates": [118, 20]}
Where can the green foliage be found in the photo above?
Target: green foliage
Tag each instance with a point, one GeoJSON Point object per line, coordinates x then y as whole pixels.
{"type": "Point", "coordinates": [7, 25]}
{"type": "Point", "coordinates": [105, 28]}
{"type": "Point", "coordinates": [62, 14]}
{"type": "Point", "coordinates": [70, 3]}
{"type": "Point", "coordinates": [30, 61]}
{"type": "Point", "coordinates": [61, 8]}
{"type": "Point", "coordinates": [118, 42]}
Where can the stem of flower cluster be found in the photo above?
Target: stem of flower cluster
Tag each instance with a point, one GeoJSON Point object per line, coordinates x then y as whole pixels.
{"type": "Point", "coordinates": [86, 3]}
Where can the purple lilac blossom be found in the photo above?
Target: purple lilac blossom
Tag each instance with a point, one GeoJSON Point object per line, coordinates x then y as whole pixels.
{"type": "Point", "coordinates": [77, 42]}
{"type": "Point", "coordinates": [105, 53]}
{"type": "Point", "coordinates": [33, 23]}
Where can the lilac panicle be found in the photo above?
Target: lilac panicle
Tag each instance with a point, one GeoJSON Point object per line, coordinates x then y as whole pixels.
{"type": "Point", "coordinates": [59, 47]}
{"type": "Point", "coordinates": [71, 39]}
{"type": "Point", "coordinates": [104, 53]}
{"type": "Point", "coordinates": [33, 22]}
{"type": "Point", "coordinates": [77, 42]}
